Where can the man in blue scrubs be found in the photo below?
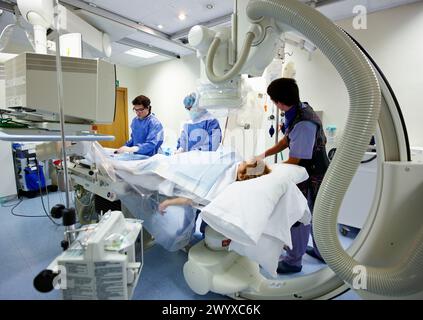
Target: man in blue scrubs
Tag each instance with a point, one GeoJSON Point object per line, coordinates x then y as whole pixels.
{"type": "Point", "coordinates": [146, 130]}
{"type": "Point", "coordinates": [306, 140]}
{"type": "Point", "coordinates": [202, 132]}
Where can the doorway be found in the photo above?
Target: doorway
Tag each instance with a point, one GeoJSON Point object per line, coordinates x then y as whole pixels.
{"type": "Point", "coordinates": [119, 128]}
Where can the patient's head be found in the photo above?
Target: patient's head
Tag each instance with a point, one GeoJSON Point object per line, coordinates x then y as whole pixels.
{"type": "Point", "coordinates": [251, 169]}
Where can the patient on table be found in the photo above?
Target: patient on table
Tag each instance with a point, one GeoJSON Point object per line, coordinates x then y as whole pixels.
{"type": "Point", "coordinates": [250, 203]}
{"type": "Point", "coordinates": [245, 171]}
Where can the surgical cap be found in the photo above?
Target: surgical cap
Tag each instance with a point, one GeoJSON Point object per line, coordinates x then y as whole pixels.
{"type": "Point", "coordinates": [189, 100]}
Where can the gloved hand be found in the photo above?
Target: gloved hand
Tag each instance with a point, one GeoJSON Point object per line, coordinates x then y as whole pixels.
{"type": "Point", "coordinates": [127, 149]}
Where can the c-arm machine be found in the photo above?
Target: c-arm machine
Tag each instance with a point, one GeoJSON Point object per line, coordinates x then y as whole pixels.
{"type": "Point", "coordinates": [386, 259]}
{"type": "Point", "coordinates": [387, 255]}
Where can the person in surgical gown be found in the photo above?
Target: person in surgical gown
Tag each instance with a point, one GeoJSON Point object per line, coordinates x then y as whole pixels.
{"type": "Point", "coordinates": [202, 132]}
{"type": "Point", "coordinates": [146, 130]}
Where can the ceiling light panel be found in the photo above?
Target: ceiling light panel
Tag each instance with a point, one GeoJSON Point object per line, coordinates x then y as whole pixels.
{"type": "Point", "coordinates": [141, 53]}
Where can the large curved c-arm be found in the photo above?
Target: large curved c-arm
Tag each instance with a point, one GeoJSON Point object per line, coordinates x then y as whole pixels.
{"type": "Point", "coordinates": [365, 104]}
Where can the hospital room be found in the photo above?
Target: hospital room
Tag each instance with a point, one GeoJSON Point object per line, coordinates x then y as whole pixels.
{"type": "Point", "coordinates": [211, 150]}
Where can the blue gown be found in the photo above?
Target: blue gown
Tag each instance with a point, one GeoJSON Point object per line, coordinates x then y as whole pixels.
{"type": "Point", "coordinates": [203, 134]}
{"type": "Point", "coordinates": [147, 135]}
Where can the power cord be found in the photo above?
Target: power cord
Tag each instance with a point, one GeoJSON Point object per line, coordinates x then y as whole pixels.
{"type": "Point", "coordinates": [14, 206]}
{"type": "Point", "coordinates": [41, 195]}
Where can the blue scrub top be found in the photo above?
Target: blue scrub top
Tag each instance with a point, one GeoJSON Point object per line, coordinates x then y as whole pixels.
{"type": "Point", "coordinates": [147, 135]}
{"type": "Point", "coordinates": [302, 137]}
{"type": "Point", "coordinates": [203, 134]}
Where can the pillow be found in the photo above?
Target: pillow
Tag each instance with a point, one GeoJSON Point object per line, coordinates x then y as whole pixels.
{"type": "Point", "coordinates": [295, 173]}
{"type": "Point", "coordinates": [242, 210]}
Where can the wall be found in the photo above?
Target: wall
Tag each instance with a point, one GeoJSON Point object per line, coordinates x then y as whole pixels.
{"type": "Point", "coordinates": [128, 78]}
{"type": "Point", "coordinates": [393, 39]}
{"type": "Point", "coordinates": [7, 172]}
{"type": "Point", "coordinates": [396, 47]}
{"type": "Point", "coordinates": [166, 84]}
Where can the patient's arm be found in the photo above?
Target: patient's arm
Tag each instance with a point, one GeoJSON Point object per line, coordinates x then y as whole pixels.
{"type": "Point", "coordinates": [180, 201]}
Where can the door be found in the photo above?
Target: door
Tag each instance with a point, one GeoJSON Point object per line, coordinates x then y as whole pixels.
{"type": "Point", "coordinates": [119, 128]}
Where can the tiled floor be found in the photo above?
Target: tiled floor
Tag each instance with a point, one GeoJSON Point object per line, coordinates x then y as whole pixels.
{"type": "Point", "coordinates": [28, 245]}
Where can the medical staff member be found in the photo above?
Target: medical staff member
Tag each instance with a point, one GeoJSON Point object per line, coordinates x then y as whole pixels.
{"type": "Point", "coordinates": [202, 132]}
{"type": "Point", "coordinates": [305, 138]}
{"type": "Point", "coordinates": [146, 130]}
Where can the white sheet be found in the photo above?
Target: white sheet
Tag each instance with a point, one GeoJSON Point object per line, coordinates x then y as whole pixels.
{"type": "Point", "coordinates": [243, 210]}
{"type": "Point", "coordinates": [257, 214]}
{"type": "Point", "coordinates": [291, 208]}
{"type": "Point", "coordinates": [195, 175]}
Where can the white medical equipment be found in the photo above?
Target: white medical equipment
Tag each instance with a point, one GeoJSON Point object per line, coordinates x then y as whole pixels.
{"type": "Point", "coordinates": [386, 258]}
{"type": "Point", "coordinates": [101, 264]}
{"type": "Point", "coordinates": [57, 99]}
{"type": "Point", "coordinates": [359, 197]}
{"type": "Point", "coordinates": [89, 95]}
{"type": "Point", "coordinates": [48, 94]}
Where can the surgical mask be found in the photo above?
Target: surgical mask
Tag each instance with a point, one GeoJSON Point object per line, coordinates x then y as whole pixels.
{"type": "Point", "coordinates": [195, 114]}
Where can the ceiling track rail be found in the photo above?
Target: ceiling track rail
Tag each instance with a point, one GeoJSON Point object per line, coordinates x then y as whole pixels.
{"type": "Point", "coordinates": [141, 45]}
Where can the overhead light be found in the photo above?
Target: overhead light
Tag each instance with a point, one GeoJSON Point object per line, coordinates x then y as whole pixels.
{"type": "Point", "coordinates": [182, 16]}
{"type": "Point", "coordinates": [141, 53]}
{"type": "Point", "coordinates": [209, 6]}
{"type": "Point", "coordinates": [160, 26]}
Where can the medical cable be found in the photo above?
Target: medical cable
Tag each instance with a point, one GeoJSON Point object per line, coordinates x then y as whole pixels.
{"type": "Point", "coordinates": [41, 195]}
{"type": "Point", "coordinates": [15, 205]}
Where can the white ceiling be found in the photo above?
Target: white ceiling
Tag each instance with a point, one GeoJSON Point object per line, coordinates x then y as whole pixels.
{"type": "Point", "coordinates": [142, 17]}
{"type": "Point", "coordinates": [165, 12]}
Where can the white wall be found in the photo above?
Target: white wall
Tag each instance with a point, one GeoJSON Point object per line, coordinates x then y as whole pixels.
{"type": "Point", "coordinates": [166, 84]}
{"type": "Point", "coordinates": [7, 172]}
{"type": "Point", "coordinates": [393, 38]}
{"type": "Point", "coordinates": [128, 78]}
